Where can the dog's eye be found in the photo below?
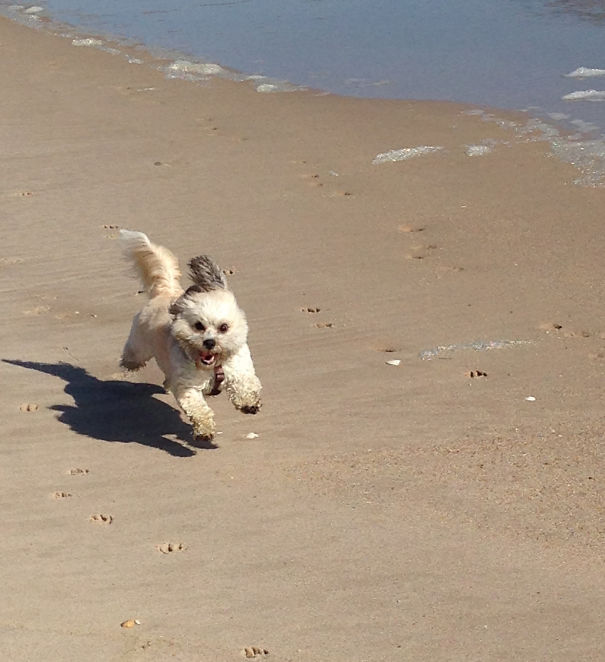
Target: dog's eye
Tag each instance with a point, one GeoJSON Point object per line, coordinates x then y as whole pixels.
{"type": "Point", "coordinates": [223, 328]}
{"type": "Point", "coordinates": [199, 326]}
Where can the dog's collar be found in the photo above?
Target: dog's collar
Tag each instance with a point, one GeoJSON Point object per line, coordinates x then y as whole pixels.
{"type": "Point", "coordinates": [219, 378]}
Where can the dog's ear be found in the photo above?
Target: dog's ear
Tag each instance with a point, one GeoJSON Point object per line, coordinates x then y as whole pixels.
{"type": "Point", "coordinates": [176, 307]}
{"type": "Point", "coordinates": [179, 305]}
{"type": "Point", "coordinates": [205, 273]}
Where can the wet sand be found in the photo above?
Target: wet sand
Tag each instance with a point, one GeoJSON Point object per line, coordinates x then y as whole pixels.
{"type": "Point", "coordinates": [422, 511]}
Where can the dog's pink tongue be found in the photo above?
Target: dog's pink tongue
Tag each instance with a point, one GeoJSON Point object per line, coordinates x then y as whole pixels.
{"type": "Point", "coordinates": [206, 358]}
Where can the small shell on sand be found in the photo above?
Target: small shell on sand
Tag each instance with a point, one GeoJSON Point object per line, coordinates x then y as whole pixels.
{"type": "Point", "coordinates": [251, 435]}
{"type": "Point", "coordinates": [393, 362]}
{"type": "Point", "coordinates": [130, 623]}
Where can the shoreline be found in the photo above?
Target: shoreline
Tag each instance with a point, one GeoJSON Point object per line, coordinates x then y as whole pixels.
{"type": "Point", "coordinates": [551, 103]}
{"type": "Point", "coordinates": [419, 509]}
{"type": "Point", "coordinates": [178, 64]}
{"type": "Point", "coordinates": [571, 141]}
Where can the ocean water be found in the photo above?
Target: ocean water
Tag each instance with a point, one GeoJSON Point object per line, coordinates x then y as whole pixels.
{"type": "Point", "coordinates": [544, 56]}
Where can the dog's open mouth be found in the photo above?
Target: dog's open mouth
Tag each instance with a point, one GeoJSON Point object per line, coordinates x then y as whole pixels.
{"type": "Point", "coordinates": [205, 358]}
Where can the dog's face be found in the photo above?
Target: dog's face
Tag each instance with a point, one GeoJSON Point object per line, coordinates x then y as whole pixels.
{"type": "Point", "coordinates": [209, 326]}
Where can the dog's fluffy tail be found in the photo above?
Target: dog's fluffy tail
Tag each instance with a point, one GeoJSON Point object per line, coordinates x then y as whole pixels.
{"type": "Point", "coordinates": [156, 266]}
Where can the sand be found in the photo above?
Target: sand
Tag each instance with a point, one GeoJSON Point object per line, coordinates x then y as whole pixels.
{"type": "Point", "coordinates": [448, 507]}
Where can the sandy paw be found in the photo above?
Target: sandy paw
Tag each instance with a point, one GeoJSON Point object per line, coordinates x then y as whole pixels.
{"type": "Point", "coordinates": [250, 409]}
{"type": "Point", "coordinates": [101, 518]}
{"type": "Point", "coordinates": [203, 436]}
{"type": "Point", "coordinates": [169, 547]}
{"type": "Point", "coordinates": [254, 651]}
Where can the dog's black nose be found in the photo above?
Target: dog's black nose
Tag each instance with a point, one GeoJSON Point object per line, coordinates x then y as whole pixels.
{"type": "Point", "coordinates": [209, 343]}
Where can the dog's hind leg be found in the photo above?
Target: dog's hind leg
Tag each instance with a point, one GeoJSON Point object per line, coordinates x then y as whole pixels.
{"type": "Point", "coordinates": [136, 351]}
{"type": "Point", "coordinates": [199, 413]}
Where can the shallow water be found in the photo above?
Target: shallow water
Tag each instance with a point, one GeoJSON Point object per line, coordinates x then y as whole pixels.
{"type": "Point", "coordinates": [510, 54]}
{"type": "Point", "coordinates": [544, 56]}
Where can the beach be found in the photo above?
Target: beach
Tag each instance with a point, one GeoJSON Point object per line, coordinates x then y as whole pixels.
{"type": "Point", "coordinates": [424, 286]}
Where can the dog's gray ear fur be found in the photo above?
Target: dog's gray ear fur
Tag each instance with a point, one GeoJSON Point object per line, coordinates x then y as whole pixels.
{"type": "Point", "coordinates": [206, 274]}
{"type": "Point", "coordinates": [177, 306]}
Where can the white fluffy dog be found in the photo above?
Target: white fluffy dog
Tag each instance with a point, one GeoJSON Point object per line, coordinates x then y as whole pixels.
{"type": "Point", "coordinates": [198, 336]}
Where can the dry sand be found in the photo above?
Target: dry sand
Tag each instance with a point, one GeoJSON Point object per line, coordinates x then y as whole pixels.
{"type": "Point", "coordinates": [384, 512]}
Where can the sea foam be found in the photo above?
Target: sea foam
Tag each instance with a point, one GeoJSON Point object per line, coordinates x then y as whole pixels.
{"type": "Point", "coordinates": [196, 68]}
{"type": "Point", "coordinates": [585, 72]}
{"type": "Point", "coordinates": [585, 95]}
{"type": "Point", "coordinates": [405, 153]}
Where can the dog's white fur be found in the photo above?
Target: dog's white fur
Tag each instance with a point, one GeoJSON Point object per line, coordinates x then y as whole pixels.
{"type": "Point", "coordinates": [191, 334]}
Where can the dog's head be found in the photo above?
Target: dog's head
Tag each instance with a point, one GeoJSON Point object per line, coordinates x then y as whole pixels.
{"type": "Point", "coordinates": [208, 325]}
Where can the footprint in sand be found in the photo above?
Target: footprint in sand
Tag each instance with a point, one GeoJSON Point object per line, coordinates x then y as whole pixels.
{"type": "Point", "coordinates": [28, 407]}
{"type": "Point", "coordinates": [254, 651]}
{"type": "Point", "coordinates": [599, 355]}
{"type": "Point", "coordinates": [410, 228]}
{"type": "Point", "coordinates": [314, 180]}
{"type": "Point", "coordinates": [77, 471]}
{"type": "Point", "coordinates": [9, 261]}
{"type": "Point", "coordinates": [61, 495]}
{"type": "Point", "coordinates": [111, 230]}
{"type": "Point", "coordinates": [555, 327]}
{"type": "Point", "coordinates": [37, 310]}
{"type": "Point", "coordinates": [421, 252]}
{"type": "Point", "coordinates": [229, 271]}
{"type": "Point", "coordinates": [21, 194]}
{"type": "Point", "coordinates": [387, 349]}
{"type": "Point", "coordinates": [169, 547]}
{"type": "Point", "coordinates": [476, 373]}
{"type": "Point", "coordinates": [100, 518]}
{"type": "Point", "coordinates": [313, 310]}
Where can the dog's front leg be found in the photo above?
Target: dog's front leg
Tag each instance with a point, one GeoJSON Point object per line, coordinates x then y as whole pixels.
{"type": "Point", "coordinates": [241, 383]}
{"type": "Point", "coordinates": [191, 401]}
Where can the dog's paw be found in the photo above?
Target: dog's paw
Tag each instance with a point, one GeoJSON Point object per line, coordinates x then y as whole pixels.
{"type": "Point", "coordinates": [131, 366]}
{"type": "Point", "coordinates": [250, 409]}
{"type": "Point", "coordinates": [204, 433]}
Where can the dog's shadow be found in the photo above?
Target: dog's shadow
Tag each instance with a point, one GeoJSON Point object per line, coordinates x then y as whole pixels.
{"type": "Point", "coordinates": [117, 410]}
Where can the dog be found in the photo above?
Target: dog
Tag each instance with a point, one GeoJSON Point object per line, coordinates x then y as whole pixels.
{"type": "Point", "coordinates": [198, 336]}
